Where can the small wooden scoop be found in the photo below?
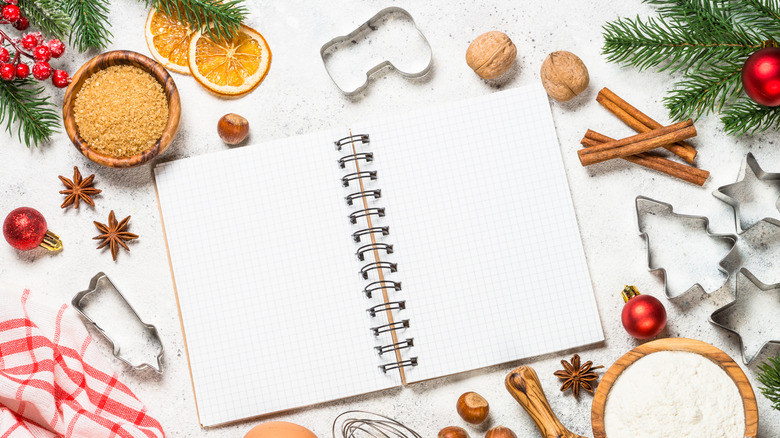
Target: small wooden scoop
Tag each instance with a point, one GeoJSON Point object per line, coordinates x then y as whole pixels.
{"type": "Point", "coordinates": [524, 385]}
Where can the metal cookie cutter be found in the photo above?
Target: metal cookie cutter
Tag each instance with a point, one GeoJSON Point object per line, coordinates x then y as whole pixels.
{"type": "Point", "coordinates": [370, 26]}
{"type": "Point", "coordinates": [730, 194]}
{"type": "Point", "coordinates": [99, 282]}
{"type": "Point", "coordinates": [651, 206]}
{"type": "Point", "coordinates": [721, 318]}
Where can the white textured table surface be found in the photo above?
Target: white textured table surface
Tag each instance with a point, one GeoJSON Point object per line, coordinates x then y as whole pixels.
{"type": "Point", "coordinates": [298, 97]}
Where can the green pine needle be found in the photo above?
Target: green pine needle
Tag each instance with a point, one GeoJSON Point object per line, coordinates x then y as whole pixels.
{"type": "Point", "coordinates": [770, 378]}
{"type": "Point", "coordinates": [37, 116]}
{"type": "Point", "coordinates": [89, 26]}
{"type": "Point", "coordinates": [220, 19]}
{"type": "Point", "coordinates": [704, 92]}
{"type": "Point", "coordinates": [707, 41]}
{"type": "Point", "coordinates": [48, 16]}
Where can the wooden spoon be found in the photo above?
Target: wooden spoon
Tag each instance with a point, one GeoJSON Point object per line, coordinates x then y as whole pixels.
{"type": "Point", "coordinates": [524, 385]}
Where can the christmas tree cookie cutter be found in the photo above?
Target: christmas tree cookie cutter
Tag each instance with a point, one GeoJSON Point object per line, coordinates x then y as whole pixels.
{"type": "Point", "coordinates": [734, 194]}
{"type": "Point", "coordinates": [721, 317]}
{"type": "Point", "coordinates": [373, 24]}
{"type": "Point", "coordinates": [100, 283]}
{"type": "Point", "coordinates": [645, 206]}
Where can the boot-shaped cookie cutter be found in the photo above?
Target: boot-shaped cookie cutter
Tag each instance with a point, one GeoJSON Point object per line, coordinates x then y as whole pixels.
{"type": "Point", "coordinates": [371, 25]}
{"type": "Point", "coordinates": [102, 282]}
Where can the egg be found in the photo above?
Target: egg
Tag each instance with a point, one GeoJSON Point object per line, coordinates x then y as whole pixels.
{"type": "Point", "coordinates": [279, 429]}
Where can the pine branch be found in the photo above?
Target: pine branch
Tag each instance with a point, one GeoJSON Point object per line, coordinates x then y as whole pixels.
{"type": "Point", "coordinates": [761, 15]}
{"type": "Point", "coordinates": [89, 25]}
{"type": "Point", "coordinates": [666, 44]}
{"type": "Point", "coordinates": [220, 19]}
{"type": "Point", "coordinates": [770, 378]}
{"type": "Point", "coordinates": [37, 117]}
{"type": "Point", "coordinates": [48, 16]}
{"type": "Point", "coordinates": [704, 91]}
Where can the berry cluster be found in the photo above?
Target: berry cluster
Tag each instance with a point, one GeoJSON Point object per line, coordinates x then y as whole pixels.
{"type": "Point", "coordinates": [32, 46]}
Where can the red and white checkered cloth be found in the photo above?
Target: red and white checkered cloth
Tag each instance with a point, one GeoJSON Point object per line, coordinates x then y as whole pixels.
{"type": "Point", "coordinates": [54, 382]}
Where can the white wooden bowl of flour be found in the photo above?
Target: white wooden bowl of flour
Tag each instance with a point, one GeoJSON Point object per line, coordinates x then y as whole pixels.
{"type": "Point", "coordinates": [674, 387]}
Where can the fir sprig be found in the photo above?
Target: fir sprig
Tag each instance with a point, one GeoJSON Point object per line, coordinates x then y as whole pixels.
{"type": "Point", "coordinates": [220, 19]}
{"type": "Point", "coordinates": [704, 92]}
{"type": "Point", "coordinates": [89, 25]}
{"type": "Point", "coordinates": [708, 41]}
{"type": "Point", "coordinates": [47, 15]}
{"type": "Point", "coordinates": [37, 116]}
{"type": "Point", "coordinates": [770, 379]}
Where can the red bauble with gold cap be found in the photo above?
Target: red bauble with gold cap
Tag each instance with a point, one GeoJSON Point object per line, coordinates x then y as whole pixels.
{"type": "Point", "coordinates": [643, 316]}
{"type": "Point", "coordinates": [761, 76]}
{"type": "Point", "coordinates": [25, 229]}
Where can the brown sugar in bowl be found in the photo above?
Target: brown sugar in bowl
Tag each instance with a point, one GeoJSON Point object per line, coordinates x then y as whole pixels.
{"type": "Point", "coordinates": [122, 57]}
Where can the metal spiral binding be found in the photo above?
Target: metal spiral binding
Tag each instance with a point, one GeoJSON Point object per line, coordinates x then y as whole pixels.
{"type": "Point", "coordinates": [378, 246]}
{"type": "Point", "coordinates": [361, 178]}
{"type": "Point", "coordinates": [376, 194]}
{"type": "Point", "coordinates": [379, 285]}
{"type": "Point", "coordinates": [408, 343]}
{"type": "Point", "coordinates": [365, 156]}
{"type": "Point", "coordinates": [400, 364]}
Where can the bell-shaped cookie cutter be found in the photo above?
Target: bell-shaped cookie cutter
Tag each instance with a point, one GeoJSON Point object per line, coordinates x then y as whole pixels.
{"type": "Point", "coordinates": [94, 286]}
{"type": "Point", "coordinates": [372, 24]}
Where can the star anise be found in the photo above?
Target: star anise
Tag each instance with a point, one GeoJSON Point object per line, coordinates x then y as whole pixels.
{"type": "Point", "coordinates": [114, 235]}
{"type": "Point", "coordinates": [78, 189]}
{"type": "Point", "coordinates": [575, 375]}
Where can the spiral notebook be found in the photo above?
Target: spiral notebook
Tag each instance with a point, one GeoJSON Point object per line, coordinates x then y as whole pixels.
{"type": "Point", "coordinates": [344, 262]}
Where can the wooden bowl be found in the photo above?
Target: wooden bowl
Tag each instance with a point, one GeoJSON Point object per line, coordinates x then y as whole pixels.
{"type": "Point", "coordinates": [676, 344]}
{"type": "Point", "coordinates": [122, 57]}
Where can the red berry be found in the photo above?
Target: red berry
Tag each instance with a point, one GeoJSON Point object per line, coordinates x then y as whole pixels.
{"type": "Point", "coordinates": [60, 78]}
{"type": "Point", "coordinates": [22, 70]}
{"type": "Point", "coordinates": [42, 53]}
{"type": "Point", "coordinates": [41, 70]}
{"type": "Point", "coordinates": [11, 13]}
{"type": "Point", "coordinates": [56, 47]}
{"type": "Point", "coordinates": [4, 56]}
{"type": "Point", "coordinates": [30, 41]}
{"type": "Point", "coordinates": [7, 71]}
{"type": "Point", "coordinates": [11, 2]}
{"type": "Point", "coordinates": [21, 24]}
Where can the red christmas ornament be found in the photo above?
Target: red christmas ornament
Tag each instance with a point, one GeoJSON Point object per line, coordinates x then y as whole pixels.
{"type": "Point", "coordinates": [761, 76]}
{"type": "Point", "coordinates": [25, 229]}
{"type": "Point", "coordinates": [643, 315]}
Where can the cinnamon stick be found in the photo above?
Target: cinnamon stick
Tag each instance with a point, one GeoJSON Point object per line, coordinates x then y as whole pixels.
{"type": "Point", "coordinates": [637, 143]}
{"type": "Point", "coordinates": [660, 164]}
{"type": "Point", "coordinates": [640, 122]}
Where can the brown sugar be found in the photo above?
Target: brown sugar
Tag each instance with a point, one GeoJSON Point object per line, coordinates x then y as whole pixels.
{"type": "Point", "coordinates": [121, 111]}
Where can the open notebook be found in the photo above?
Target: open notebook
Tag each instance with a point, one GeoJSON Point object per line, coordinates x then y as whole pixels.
{"type": "Point", "coordinates": [431, 243]}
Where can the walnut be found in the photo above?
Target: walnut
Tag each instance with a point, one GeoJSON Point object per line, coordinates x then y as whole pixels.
{"type": "Point", "coordinates": [564, 75]}
{"type": "Point", "coordinates": [491, 54]}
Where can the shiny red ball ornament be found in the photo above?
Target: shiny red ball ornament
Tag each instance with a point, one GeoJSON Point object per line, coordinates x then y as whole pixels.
{"type": "Point", "coordinates": [643, 315]}
{"type": "Point", "coordinates": [25, 229]}
{"type": "Point", "coordinates": [761, 76]}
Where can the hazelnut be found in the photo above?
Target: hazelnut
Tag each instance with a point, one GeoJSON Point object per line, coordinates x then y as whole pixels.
{"type": "Point", "coordinates": [472, 407]}
{"type": "Point", "coordinates": [564, 75]}
{"type": "Point", "coordinates": [500, 432]}
{"type": "Point", "coordinates": [232, 128]}
{"type": "Point", "coordinates": [453, 432]}
{"type": "Point", "coordinates": [491, 54]}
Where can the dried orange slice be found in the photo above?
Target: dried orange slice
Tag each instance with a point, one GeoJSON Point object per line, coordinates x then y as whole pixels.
{"type": "Point", "coordinates": [168, 40]}
{"type": "Point", "coordinates": [233, 67]}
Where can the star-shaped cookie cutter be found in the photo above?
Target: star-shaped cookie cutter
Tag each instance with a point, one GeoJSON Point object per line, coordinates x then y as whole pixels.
{"type": "Point", "coordinates": [645, 204]}
{"type": "Point", "coordinates": [714, 318]}
{"type": "Point", "coordinates": [729, 193]}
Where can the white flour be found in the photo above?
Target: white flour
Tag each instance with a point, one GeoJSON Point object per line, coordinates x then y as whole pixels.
{"type": "Point", "coordinates": [674, 394]}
